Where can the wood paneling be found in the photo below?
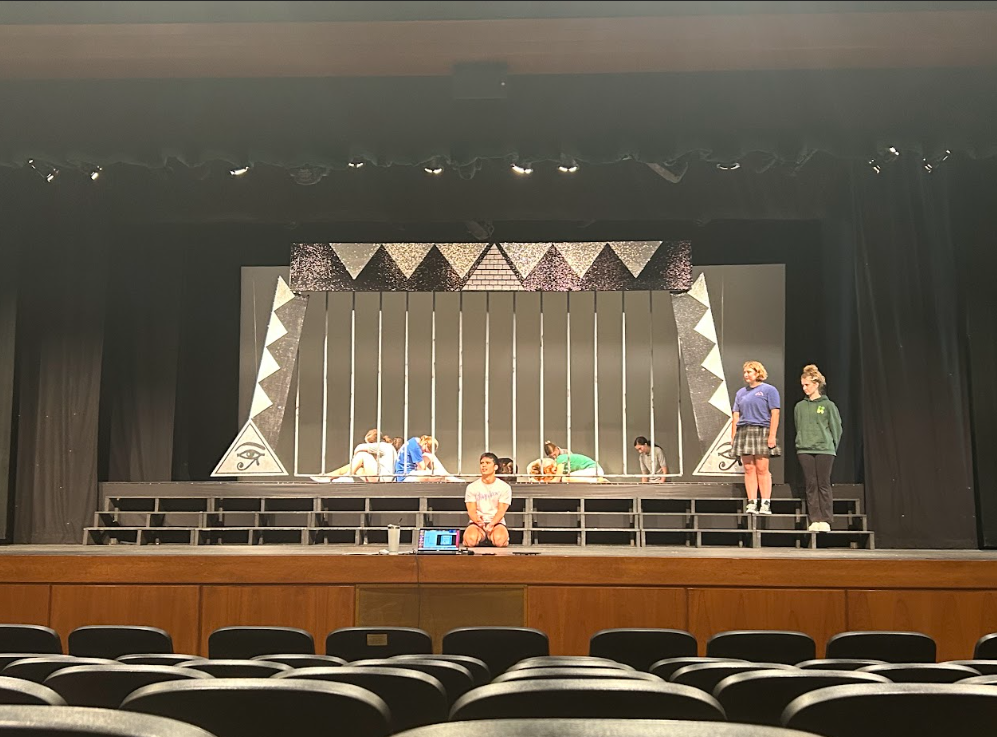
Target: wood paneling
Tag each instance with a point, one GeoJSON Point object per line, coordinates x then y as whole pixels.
{"type": "Point", "coordinates": [208, 569]}
{"type": "Point", "coordinates": [956, 619]}
{"type": "Point", "coordinates": [571, 615]}
{"type": "Point", "coordinates": [571, 45]}
{"type": "Point", "coordinates": [317, 609]}
{"type": "Point", "coordinates": [172, 608]}
{"type": "Point", "coordinates": [24, 604]}
{"type": "Point", "coordinates": [819, 613]}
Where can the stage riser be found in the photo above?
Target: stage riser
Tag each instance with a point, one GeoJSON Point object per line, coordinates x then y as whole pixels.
{"type": "Point", "coordinates": [570, 521]}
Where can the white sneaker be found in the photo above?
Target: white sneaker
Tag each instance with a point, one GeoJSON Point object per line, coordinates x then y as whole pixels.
{"type": "Point", "coordinates": [321, 479]}
{"type": "Point", "coordinates": [766, 507]}
{"type": "Point", "coordinates": [814, 527]}
{"type": "Point", "coordinates": [824, 527]}
{"type": "Point", "coordinates": [751, 508]}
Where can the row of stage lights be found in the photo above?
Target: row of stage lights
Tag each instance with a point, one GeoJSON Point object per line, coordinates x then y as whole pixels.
{"type": "Point", "coordinates": [568, 166]}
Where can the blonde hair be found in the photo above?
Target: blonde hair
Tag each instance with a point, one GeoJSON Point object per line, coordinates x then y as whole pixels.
{"type": "Point", "coordinates": [810, 371]}
{"type": "Point", "coordinates": [429, 440]}
{"type": "Point", "coordinates": [759, 369]}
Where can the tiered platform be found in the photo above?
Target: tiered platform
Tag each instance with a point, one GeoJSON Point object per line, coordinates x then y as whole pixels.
{"type": "Point", "coordinates": [569, 515]}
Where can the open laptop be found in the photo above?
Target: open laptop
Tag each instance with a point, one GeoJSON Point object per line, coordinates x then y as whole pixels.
{"type": "Point", "coordinates": [434, 541]}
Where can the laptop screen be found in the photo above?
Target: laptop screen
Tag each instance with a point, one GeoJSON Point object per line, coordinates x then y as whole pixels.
{"type": "Point", "coordinates": [438, 541]}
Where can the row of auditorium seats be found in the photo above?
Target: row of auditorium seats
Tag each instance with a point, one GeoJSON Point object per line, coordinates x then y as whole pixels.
{"type": "Point", "coordinates": [499, 647]}
{"type": "Point", "coordinates": [378, 698]}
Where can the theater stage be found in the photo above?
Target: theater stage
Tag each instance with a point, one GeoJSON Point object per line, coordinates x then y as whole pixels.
{"type": "Point", "coordinates": [570, 593]}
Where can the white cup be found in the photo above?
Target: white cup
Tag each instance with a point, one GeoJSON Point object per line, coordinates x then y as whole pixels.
{"type": "Point", "coordinates": [394, 539]}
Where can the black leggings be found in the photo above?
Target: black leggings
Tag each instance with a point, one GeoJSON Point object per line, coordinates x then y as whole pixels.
{"type": "Point", "coordinates": [817, 472]}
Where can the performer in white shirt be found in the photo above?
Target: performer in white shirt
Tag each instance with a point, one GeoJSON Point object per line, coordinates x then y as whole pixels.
{"type": "Point", "coordinates": [487, 499]}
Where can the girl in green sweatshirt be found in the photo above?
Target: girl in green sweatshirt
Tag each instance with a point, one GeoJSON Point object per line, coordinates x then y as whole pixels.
{"type": "Point", "coordinates": [818, 432]}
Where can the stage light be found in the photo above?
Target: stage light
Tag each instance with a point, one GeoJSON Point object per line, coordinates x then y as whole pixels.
{"type": "Point", "coordinates": [50, 177]}
{"type": "Point", "coordinates": [931, 164]}
{"type": "Point", "coordinates": [522, 169]}
{"type": "Point", "coordinates": [729, 167]}
{"type": "Point", "coordinates": [356, 164]}
{"type": "Point", "coordinates": [568, 169]}
{"type": "Point", "coordinates": [238, 172]}
{"type": "Point", "coordinates": [45, 171]}
{"type": "Point", "coordinates": [95, 173]}
{"type": "Point", "coordinates": [434, 170]}
{"type": "Point", "coordinates": [893, 151]}
{"type": "Point", "coordinates": [876, 167]}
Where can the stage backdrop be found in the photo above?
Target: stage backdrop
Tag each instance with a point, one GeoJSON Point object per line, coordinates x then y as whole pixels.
{"type": "Point", "coordinates": [609, 406]}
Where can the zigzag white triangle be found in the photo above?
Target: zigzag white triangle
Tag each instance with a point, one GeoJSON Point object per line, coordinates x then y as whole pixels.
{"type": "Point", "coordinates": [706, 327]}
{"type": "Point", "coordinates": [525, 256]}
{"type": "Point", "coordinates": [698, 291]}
{"type": "Point", "coordinates": [268, 365]}
{"type": "Point", "coordinates": [580, 255]}
{"type": "Point", "coordinates": [721, 399]}
{"type": "Point", "coordinates": [713, 362]}
{"type": "Point", "coordinates": [249, 455]}
{"type": "Point", "coordinates": [461, 256]}
{"type": "Point", "coordinates": [407, 256]}
{"type": "Point", "coordinates": [275, 330]}
{"type": "Point", "coordinates": [355, 255]}
{"type": "Point", "coordinates": [635, 254]}
{"type": "Point", "coordinates": [283, 294]}
{"type": "Point", "coordinates": [260, 401]}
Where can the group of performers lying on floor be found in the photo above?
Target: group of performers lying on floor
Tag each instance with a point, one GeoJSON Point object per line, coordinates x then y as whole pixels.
{"type": "Point", "coordinates": [382, 458]}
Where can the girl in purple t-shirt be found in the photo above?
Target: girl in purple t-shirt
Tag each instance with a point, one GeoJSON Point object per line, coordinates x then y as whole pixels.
{"type": "Point", "coordinates": [754, 425]}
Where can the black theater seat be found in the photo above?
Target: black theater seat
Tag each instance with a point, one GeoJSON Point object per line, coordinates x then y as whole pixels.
{"type": "Point", "coordinates": [362, 643]}
{"type": "Point", "coordinates": [767, 646]}
{"type": "Point", "coordinates": [110, 641]}
{"type": "Point", "coordinates": [107, 686]}
{"type": "Point", "coordinates": [498, 647]}
{"type": "Point", "coordinates": [29, 638]}
{"type": "Point", "coordinates": [77, 721]}
{"type": "Point", "coordinates": [642, 647]}
{"type": "Point", "coordinates": [247, 642]}
{"type": "Point", "coordinates": [890, 647]}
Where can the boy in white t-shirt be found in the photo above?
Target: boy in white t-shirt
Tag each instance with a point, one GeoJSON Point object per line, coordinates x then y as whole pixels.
{"type": "Point", "coordinates": [487, 499]}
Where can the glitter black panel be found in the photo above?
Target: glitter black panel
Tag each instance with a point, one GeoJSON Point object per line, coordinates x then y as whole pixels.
{"type": "Point", "coordinates": [659, 266]}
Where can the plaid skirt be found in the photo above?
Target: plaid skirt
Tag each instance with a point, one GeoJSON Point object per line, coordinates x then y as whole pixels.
{"type": "Point", "coordinates": [753, 440]}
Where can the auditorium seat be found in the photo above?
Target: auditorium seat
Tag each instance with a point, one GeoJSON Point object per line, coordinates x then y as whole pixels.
{"type": "Point", "coordinates": [498, 647]}
{"type": "Point", "coordinates": [908, 709]}
{"type": "Point", "coordinates": [303, 661]}
{"type": "Point", "coordinates": [479, 671]}
{"type": "Point", "coordinates": [837, 663]}
{"type": "Point", "coordinates": [264, 707]}
{"type": "Point", "coordinates": [768, 646]}
{"type": "Point", "coordinates": [157, 658]}
{"type": "Point", "coordinates": [985, 667]}
{"type": "Point", "coordinates": [363, 643]}
{"type": "Point", "coordinates": [414, 698]}
{"type": "Point", "coordinates": [760, 696]}
{"type": "Point", "coordinates": [526, 674]}
{"type": "Point", "coordinates": [107, 686]}
{"type": "Point", "coordinates": [987, 680]}
{"type": "Point", "coordinates": [706, 676]}
{"type": "Point", "coordinates": [600, 728]}
{"type": "Point", "coordinates": [663, 669]}
{"type": "Point", "coordinates": [597, 698]}
{"type": "Point", "coordinates": [230, 643]}
{"type": "Point", "coordinates": [986, 648]}
{"type": "Point", "coordinates": [110, 641]}
{"type": "Point", "coordinates": [567, 661]}
{"type": "Point", "coordinates": [236, 668]}
{"type": "Point", "coordinates": [890, 647]}
{"type": "Point", "coordinates": [642, 647]}
{"type": "Point", "coordinates": [27, 693]}
{"type": "Point", "coordinates": [29, 638]}
{"type": "Point", "coordinates": [922, 672]}
{"type": "Point", "coordinates": [456, 679]}
{"type": "Point", "coordinates": [40, 668]}
{"type": "Point", "coordinates": [77, 721]}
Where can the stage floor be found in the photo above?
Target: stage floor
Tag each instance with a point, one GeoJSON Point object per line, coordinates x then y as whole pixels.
{"type": "Point", "coordinates": [549, 551]}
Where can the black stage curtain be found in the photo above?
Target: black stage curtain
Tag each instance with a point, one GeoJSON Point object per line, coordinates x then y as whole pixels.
{"type": "Point", "coordinates": [975, 221]}
{"type": "Point", "coordinates": [918, 463]}
{"type": "Point", "coordinates": [60, 341]}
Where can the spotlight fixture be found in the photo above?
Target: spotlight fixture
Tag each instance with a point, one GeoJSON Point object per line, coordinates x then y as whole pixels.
{"type": "Point", "coordinates": [570, 169]}
{"type": "Point", "coordinates": [931, 164]}
{"type": "Point", "coordinates": [238, 172]}
{"type": "Point", "coordinates": [434, 170]}
{"type": "Point", "coordinates": [356, 164]}
{"type": "Point", "coordinates": [729, 167]}
{"type": "Point", "coordinates": [45, 171]}
{"type": "Point", "coordinates": [95, 173]}
{"type": "Point", "coordinates": [522, 169]}
{"type": "Point", "coordinates": [893, 152]}
{"type": "Point", "coordinates": [876, 166]}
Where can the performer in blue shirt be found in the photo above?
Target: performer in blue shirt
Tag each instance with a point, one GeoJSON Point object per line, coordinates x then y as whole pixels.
{"type": "Point", "coordinates": [754, 426]}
